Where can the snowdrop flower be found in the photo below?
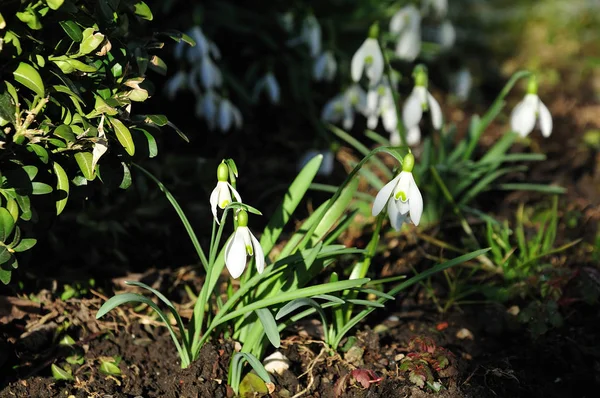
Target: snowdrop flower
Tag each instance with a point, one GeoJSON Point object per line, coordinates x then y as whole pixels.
{"type": "Point", "coordinates": [342, 107]}
{"type": "Point", "coordinates": [311, 35]}
{"type": "Point", "coordinates": [229, 114]}
{"type": "Point", "coordinates": [334, 109]}
{"type": "Point", "coordinates": [210, 75]}
{"type": "Point", "coordinates": [243, 244]}
{"type": "Point", "coordinates": [368, 59]}
{"type": "Point", "coordinates": [462, 83]}
{"type": "Point", "coordinates": [206, 107]}
{"type": "Point", "coordinates": [221, 195]}
{"type": "Point", "coordinates": [530, 109]}
{"type": "Point", "coordinates": [418, 101]}
{"type": "Point", "coordinates": [199, 51]}
{"type": "Point", "coordinates": [402, 197]}
{"type": "Point", "coordinates": [269, 84]}
{"type": "Point", "coordinates": [406, 23]}
{"type": "Point", "coordinates": [325, 67]}
{"type": "Point", "coordinates": [446, 35]}
{"type": "Point", "coordinates": [174, 84]}
{"type": "Point", "coordinates": [438, 7]}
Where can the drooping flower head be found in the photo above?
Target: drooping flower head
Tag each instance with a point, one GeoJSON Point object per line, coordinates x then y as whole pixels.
{"type": "Point", "coordinates": [221, 195]}
{"type": "Point", "coordinates": [419, 101]}
{"type": "Point", "coordinates": [406, 25]}
{"type": "Point", "coordinates": [241, 245]}
{"type": "Point", "coordinates": [368, 59]}
{"type": "Point", "coordinates": [402, 197]}
{"type": "Point", "coordinates": [530, 109]}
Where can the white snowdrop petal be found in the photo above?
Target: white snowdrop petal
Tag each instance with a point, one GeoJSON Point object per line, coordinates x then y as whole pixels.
{"type": "Point", "coordinates": [408, 45]}
{"type": "Point", "coordinates": [358, 63]}
{"type": "Point", "coordinates": [412, 112]}
{"type": "Point", "coordinates": [436, 111]}
{"type": "Point", "coordinates": [413, 135]}
{"type": "Point", "coordinates": [319, 67]}
{"type": "Point", "coordinates": [259, 255]}
{"type": "Point", "coordinates": [372, 122]}
{"type": "Point", "coordinates": [395, 139]}
{"type": "Point", "coordinates": [225, 115]}
{"type": "Point", "coordinates": [545, 120]}
{"type": "Point", "coordinates": [235, 255]}
{"type": "Point", "coordinates": [272, 88]}
{"type": "Point", "coordinates": [375, 69]}
{"type": "Point", "coordinates": [522, 118]}
{"type": "Point", "coordinates": [236, 194]}
{"type": "Point", "coordinates": [396, 219]}
{"type": "Point", "coordinates": [214, 199]}
{"type": "Point", "coordinates": [416, 202]}
{"type": "Point", "coordinates": [384, 195]}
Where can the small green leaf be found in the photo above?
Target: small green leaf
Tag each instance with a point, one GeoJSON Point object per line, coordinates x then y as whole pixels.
{"type": "Point", "coordinates": [69, 65]}
{"type": "Point", "coordinates": [13, 208]}
{"type": "Point", "coordinates": [40, 151]}
{"type": "Point", "coordinates": [62, 187]}
{"type": "Point", "coordinates": [67, 340]}
{"type": "Point", "coordinates": [159, 120]}
{"type": "Point", "coordinates": [84, 161]}
{"type": "Point", "coordinates": [109, 368]}
{"type": "Point", "coordinates": [39, 188]}
{"type": "Point", "coordinates": [7, 224]}
{"type": "Point", "coordinates": [90, 41]}
{"type": "Point", "coordinates": [65, 132]}
{"type": "Point", "coordinates": [142, 10]}
{"type": "Point", "coordinates": [55, 4]}
{"type": "Point", "coordinates": [30, 78]}
{"type": "Point", "coordinates": [30, 17]}
{"type": "Point", "coordinates": [60, 374]}
{"type": "Point", "coordinates": [72, 30]}
{"type": "Point", "coordinates": [7, 107]}
{"type": "Point", "coordinates": [252, 386]}
{"type": "Point", "coordinates": [123, 135]}
{"type": "Point", "coordinates": [158, 65]}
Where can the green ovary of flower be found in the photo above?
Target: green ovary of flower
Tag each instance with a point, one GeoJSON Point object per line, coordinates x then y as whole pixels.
{"type": "Point", "coordinates": [242, 218]}
{"type": "Point", "coordinates": [223, 173]}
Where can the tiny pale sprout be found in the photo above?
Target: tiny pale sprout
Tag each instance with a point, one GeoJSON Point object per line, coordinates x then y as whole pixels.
{"type": "Point", "coordinates": [241, 245]}
{"type": "Point", "coordinates": [401, 196]}
{"type": "Point", "coordinates": [421, 100]}
{"type": "Point", "coordinates": [530, 109]}
{"type": "Point", "coordinates": [368, 59]}
{"type": "Point", "coordinates": [221, 195]}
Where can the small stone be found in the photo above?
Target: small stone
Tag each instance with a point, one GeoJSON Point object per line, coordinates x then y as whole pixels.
{"type": "Point", "coordinates": [399, 357]}
{"type": "Point", "coordinates": [464, 333]}
{"type": "Point", "coordinates": [354, 355]}
{"type": "Point", "coordinates": [276, 363]}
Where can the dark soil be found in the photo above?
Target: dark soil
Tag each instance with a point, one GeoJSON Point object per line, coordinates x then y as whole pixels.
{"type": "Point", "coordinates": [496, 359]}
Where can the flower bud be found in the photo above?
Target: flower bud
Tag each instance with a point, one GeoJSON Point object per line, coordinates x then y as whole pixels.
{"type": "Point", "coordinates": [223, 172]}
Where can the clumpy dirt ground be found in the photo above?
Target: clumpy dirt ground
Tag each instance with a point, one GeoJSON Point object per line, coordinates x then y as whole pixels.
{"type": "Point", "coordinates": [489, 354]}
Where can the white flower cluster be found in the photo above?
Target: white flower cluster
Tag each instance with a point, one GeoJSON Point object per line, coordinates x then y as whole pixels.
{"type": "Point", "coordinates": [205, 80]}
{"type": "Point", "coordinates": [324, 63]}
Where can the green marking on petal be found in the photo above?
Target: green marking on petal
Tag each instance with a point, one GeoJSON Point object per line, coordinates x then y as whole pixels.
{"type": "Point", "coordinates": [401, 195]}
{"type": "Point", "coordinates": [249, 250]}
{"type": "Point", "coordinates": [224, 204]}
{"type": "Point", "coordinates": [369, 59]}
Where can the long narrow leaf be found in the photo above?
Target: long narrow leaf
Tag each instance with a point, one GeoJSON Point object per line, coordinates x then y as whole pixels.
{"type": "Point", "coordinates": [270, 326]}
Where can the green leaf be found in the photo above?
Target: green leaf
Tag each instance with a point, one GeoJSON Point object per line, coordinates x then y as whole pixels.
{"type": "Point", "coordinates": [39, 188]}
{"type": "Point", "coordinates": [7, 107]}
{"type": "Point", "coordinates": [270, 326]}
{"type": "Point", "coordinates": [65, 132]}
{"type": "Point", "coordinates": [126, 181]}
{"type": "Point", "coordinates": [290, 202]}
{"type": "Point", "coordinates": [7, 224]}
{"type": "Point", "coordinates": [158, 65]}
{"type": "Point", "coordinates": [336, 210]}
{"type": "Point", "coordinates": [40, 151]}
{"type": "Point", "coordinates": [55, 4]}
{"type": "Point", "coordinates": [90, 41]}
{"type": "Point", "coordinates": [13, 208]}
{"type": "Point", "coordinates": [60, 374]}
{"type": "Point", "coordinates": [159, 120]}
{"type": "Point", "coordinates": [30, 78]}
{"type": "Point", "coordinates": [84, 161]}
{"type": "Point", "coordinates": [252, 385]}
{"type": "Point", "coordinates": [109, 368]}
{"type": "Point", "coordinates": [72, 30]}
{"type": "Point", "coordinates": [25, 244]}
{"type": "Point", "coordinates": [5, 258]}
{"type": "Point", "coordinates": [70, 65]}
{"type": "Point", "coordinates": [62, 187]}
{"type": "Point", "coordinates": [142, 10]}
{"type": "Point", "coordinates": [123, 135]}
